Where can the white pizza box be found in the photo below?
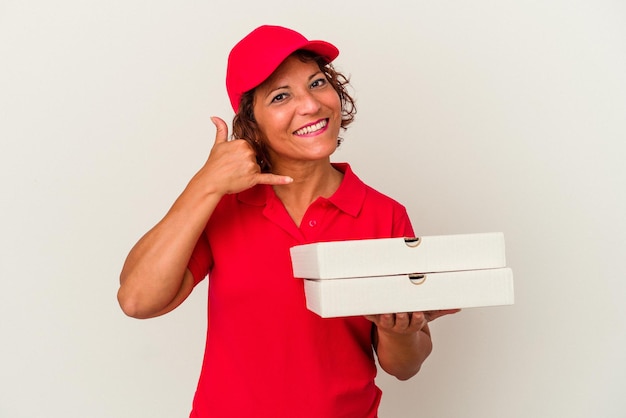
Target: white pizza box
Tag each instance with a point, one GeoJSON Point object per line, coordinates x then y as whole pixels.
{"type": "Point", "coordinates": [409, 293]}
{"type": "Point", "coordinates": [391, 256]}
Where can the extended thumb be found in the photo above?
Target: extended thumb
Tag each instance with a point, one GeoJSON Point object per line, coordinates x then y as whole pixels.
{"type": "Point", "coordinates": [221, 135]}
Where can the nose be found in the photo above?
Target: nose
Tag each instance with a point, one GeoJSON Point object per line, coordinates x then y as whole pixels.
{"type": "Point", "coordinates": [308, 103]}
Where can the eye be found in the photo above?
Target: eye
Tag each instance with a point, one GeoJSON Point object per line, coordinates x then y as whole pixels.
{"type": "Point", "coordinates": [319, 82]}
{"type": "Point", "coordinates": [279, 97]}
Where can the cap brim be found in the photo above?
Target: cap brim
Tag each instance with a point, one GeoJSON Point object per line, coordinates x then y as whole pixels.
{"type": "Point", "coordinates": [322, 48]}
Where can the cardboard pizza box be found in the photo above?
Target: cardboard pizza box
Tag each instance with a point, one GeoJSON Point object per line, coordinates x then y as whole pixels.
{"type": "Point", "coordinates": [391, 256]}
{"type": "Point", "coordinates": [409, 293]}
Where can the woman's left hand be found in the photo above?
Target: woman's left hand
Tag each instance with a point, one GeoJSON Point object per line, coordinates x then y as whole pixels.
{"type": "Point", "coordinates": [407, 323]}
{"type": "Point", "coordinates": [402, 340]}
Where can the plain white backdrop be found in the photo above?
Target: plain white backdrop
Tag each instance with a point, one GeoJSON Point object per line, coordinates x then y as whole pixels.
{"type": "Point", "coordinates": [478, 116]}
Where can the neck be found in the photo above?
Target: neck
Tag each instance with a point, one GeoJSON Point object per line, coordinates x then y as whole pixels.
{"type": "Point", "coordinates": [311, 181]}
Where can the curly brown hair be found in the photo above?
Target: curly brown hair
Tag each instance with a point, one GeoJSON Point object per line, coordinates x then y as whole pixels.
{"type": "Point", "coordinates": [245, 126]}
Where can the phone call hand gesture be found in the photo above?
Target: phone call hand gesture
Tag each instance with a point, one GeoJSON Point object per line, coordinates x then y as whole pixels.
{"type": "Point", "coordinates": [232, 166]}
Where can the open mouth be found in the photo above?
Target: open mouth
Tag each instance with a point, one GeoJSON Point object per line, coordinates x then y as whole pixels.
{"type": "Point", "coordinates": [312, 128]}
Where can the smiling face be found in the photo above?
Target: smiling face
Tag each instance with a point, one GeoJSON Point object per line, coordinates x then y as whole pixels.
{"type": "Point", "coordinates": [298, 113]}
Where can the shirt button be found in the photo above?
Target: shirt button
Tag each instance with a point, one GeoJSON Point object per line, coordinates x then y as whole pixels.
{"type": "Point", "coordinates": [312, 223]}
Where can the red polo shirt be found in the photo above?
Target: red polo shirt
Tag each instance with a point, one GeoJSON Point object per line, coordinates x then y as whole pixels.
{"type": "Point", "coordinates": [266, 355]}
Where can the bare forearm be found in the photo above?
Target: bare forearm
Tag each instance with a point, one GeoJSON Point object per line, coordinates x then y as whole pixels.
{"type": "Point", "coordinates": [153, 273]}
{"type": "Point", "coordinates": [402, 355]}
{"type": "Point", "coordinates": [154, 277]}
{"type": "Point", "coordinates": [402, 341]}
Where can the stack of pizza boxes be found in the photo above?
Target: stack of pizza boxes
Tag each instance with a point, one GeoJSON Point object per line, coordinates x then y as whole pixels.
{"type": "Point", "coordinates": [363, 277]}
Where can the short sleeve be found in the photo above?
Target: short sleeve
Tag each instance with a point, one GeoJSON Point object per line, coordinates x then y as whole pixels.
{"type": "Point", "coordinates": [402, 226]}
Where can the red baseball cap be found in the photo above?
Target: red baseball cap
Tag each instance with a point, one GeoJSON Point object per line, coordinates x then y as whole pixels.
{"type": "Point", "coordinates": [256, 56]}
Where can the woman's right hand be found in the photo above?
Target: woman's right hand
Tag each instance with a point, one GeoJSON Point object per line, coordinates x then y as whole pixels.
{"type": "Point", "coordinates": [232, 166]}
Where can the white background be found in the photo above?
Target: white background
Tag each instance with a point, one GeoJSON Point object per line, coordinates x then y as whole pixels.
{"type": "Point", "coordinates": [477, 115]}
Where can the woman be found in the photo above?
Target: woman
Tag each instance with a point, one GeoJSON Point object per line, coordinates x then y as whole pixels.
{"type": "Point", "coordinates": [266, 355]}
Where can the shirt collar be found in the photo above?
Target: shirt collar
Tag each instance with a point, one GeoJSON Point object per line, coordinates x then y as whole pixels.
{"type": "Point", "coordinates": [350, 195]}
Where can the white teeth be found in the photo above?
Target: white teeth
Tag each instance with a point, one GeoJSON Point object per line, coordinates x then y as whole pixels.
{"type": "Point", "coordinates": [311, 128]}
